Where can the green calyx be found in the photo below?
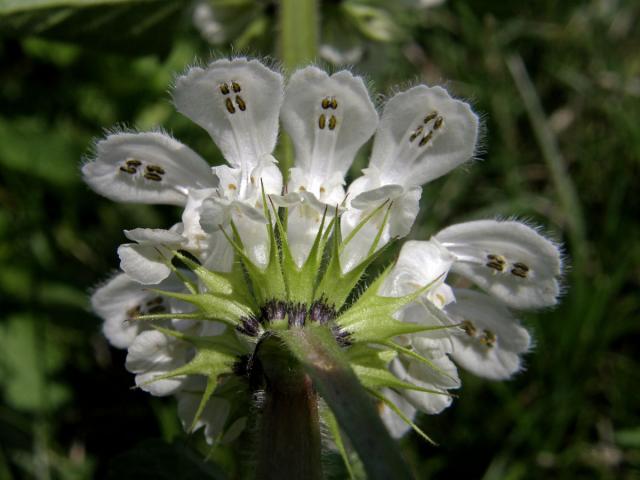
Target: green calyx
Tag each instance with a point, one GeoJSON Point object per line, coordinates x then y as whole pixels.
{"type": "Point", "coordinates": [257, 301]}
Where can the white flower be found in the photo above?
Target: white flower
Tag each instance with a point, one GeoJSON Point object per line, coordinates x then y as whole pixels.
{"type": "Point", "coordinates": [402, 334]}
{"type": "Point", "coordinates": [121, 300]}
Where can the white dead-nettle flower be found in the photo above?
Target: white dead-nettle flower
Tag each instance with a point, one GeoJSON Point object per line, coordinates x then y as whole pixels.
{"type": "Point", "coordinates": [256, 257]}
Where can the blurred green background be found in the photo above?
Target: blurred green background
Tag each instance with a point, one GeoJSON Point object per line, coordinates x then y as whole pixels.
{"type": "Point", "coordinates": [558, 87]}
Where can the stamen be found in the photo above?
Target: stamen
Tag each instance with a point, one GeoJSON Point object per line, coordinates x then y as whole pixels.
{"type": "Point", "coordinates": [332, 122]}
{"type": "Point", "coordinates": [426, 139]}
{"type": "Point", "coordinates": [326, 103]}
{"type": "Point", "coordinates": [155, 169]}
{"type": "Point", "coordinates": [134, 312]}
{"type": "Point", "coordinates": [224, 89]}
{"type": "Point", "coordinates": [229, 104]}
{"type": "Point", "coordinates": [322, 121]}
{"type": "Point", "coordinates": [469, 328]}
{"type": "Point", "coordinates": [241, 103]}
{"type": "Point", "coordinates": [236, 87]}
{"type": "Point", "coordinates": [129, 170]}
{"type": "Point", "coordinates": [232, 186]}
{"type": "Point", "coordinates": [416, 133]}
{"type": "Point", "coordinates": [430, 117]}
{"type": "Point", "coordinates": [438, 123]}
{"type": "Point", "coordinates": [497, 262]}
{"type": "Point", "coordinates": [488, 338]}
{"type": "Point", "coordinates": [520, 270]}
{"type": "Point", "coordinates": [133, 162]}
{"type": "Point", "coordinates": [153, 176]}
{"type": "Point", "coordinates": [334, 103]}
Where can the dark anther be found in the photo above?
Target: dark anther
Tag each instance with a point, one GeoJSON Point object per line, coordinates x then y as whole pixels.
{"type": "Point", "coordinates": [342, 336]}
{"type": "Point", "coordinates": [155, 169]}
{"type": "Point", "coordinates": [249, 326]}
{"type": "Point", "coordinates": [273, 310]}
{"type": "Point", "coordinates": [241, 366]}
{"type": "Point", "coordinates": [153, 176]}
{"type": "Point", "coordinates": [321, 312]}
{"type": "Point", "coordinates": [297, 314]}
{"type": "Point", "coordinates": [236, 87]}
{"type": "Point", "coordinates": [224, 89]}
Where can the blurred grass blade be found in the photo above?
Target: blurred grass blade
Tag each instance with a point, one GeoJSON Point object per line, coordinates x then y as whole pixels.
{"type": "Point", "coordinates": [316, 349]}
{"type": "Point", "coordinates": [128, 26]}
{"type": "Point", "coordinates": [562, 182]}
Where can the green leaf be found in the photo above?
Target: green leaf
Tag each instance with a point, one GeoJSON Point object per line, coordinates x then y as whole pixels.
{"type": "Point", "coordinates": [317, 351]}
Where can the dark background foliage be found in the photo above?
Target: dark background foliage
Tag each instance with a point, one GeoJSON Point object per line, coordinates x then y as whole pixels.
{"type": "Point", "coordinates": [558, 85]}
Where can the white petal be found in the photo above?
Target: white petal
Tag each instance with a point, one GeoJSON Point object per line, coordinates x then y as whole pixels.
{"type": "Point", "coordinates": [221, 253]}
{"type": "Point", "coordinates": [237, 101]}
{"type": "Point", "coordinates": [213, 416]}
{"type": "Point", "coordinates": [147, 167]}
{"type": "Point", "coordinates": [112, 301]}
{"type": "Point", "coordinates": [329, 118]}
{"type": "Point", "coordinates": [440, 380]}
{"type": "Point", "coordinates": [303, 225]}
{"type": "Point", "coordinates": [423, 134]}
{"type": "Point", "coordinates": [376, 196]}
{"type": "Point", "coordinates": [405, 207]}
{"type": "Point", "coordinates": [397, 426]}
{"type": "Point", "coordinates": [419, 264]}
{"type": "Point", "coordinates": [144, 263]}
{"type": "Point", "coordinates": [154, 236]}
{"type": "Point", "coordinates": [153, 353]}
{"type": "Point", "coordinates": [493, 338]}
{"type": "Point", "coordinates": [507, 259]}
{"type": "Point", "coordinates": [197, 240]}
{"type": "Point", "coordinates": [254, 236]}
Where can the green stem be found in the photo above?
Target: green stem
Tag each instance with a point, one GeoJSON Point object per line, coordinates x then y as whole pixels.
{"type": "Point", "coordinates": [289, 437]}
{"type": "Point", "coordinates": [298, 46]}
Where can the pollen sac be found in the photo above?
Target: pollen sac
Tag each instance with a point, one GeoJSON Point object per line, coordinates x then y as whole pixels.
{"type": "Point", "coordinates": [469, 328]}
{"type": "Point", "coordinates": [296, 315]}
{"type": "Point", "coordinates": [249, 326]}
{"type": "Point", "coordinates": [226, 90]}
{"type": "Point", "coordinates": [321, 312]}
{"type": "Point", "coordinates": [333, 122]}
{"type": "Point", "coordinates": [322, 121]}
{"type": "Point", "coordinates": [431, 123]}
{"type": "Point", "coordinates": [328, 103]}
{"type": "Point", "coordinates": [129, 170]}
{"type": "Point", "coordinates": [155, 169]}
{"type": "Point", "coordinates": [133, 162]}
{"type": "Point", "coordinates": [520, 270]}
{"type": "Point", "coordinates": [488, 338]}
{"type": "Point", "coordinates": [497, 262]}
{"type": "Point", "coordinates": [273, 310]}
{"type": "Point", "coordinates": [229, 104]}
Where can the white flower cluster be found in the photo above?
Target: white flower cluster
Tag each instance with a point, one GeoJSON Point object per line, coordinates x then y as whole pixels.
{"type": "Point", "coordinates": [421, 135]}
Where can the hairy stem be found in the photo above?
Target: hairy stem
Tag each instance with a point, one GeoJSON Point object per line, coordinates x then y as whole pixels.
{"type": "Point", "coordinates": [289, 432]}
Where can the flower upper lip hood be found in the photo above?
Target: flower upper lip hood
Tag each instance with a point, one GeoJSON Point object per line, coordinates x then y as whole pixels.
{"type": "Point", "coordinates": [421, 134]}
